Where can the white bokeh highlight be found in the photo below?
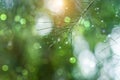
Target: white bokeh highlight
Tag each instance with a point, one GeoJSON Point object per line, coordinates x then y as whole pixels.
{"type": "Point", "coordinates": [111, 67]}
{"type": "Point", "coordinates": [102, 51]}
{"type": "Point", "coordinates": [79, 43]}
{"type": "Point", "coordinates": [44, 25]}
{"type": "Point", "coordinates": [115, 41]}
{"type": "Point", "coordinates": [86, 59]}
{"type": "Point", "coordinates": [87, 64]}
{"type": "Point", "coordinates": [55, 6]}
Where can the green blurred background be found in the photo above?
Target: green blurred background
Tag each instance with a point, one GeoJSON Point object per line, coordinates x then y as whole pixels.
{"type": "Point", "coordinates": [59, 40]}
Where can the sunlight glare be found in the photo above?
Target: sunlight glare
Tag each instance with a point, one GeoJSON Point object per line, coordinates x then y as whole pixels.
{"type": "Point", "coordinates": [55, 6]}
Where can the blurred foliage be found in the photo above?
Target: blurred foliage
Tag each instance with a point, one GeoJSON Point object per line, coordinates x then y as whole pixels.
{"type": "Point", "coordinates": [25, 55]}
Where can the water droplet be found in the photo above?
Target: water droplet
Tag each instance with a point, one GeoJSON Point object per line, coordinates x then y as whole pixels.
{"type": "Point", "coordinates": [72, 60]}
{"type": "Point", "coordinates": [67, 20]}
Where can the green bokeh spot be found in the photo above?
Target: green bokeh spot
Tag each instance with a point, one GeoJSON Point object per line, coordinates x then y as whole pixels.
{"type": "Point", "coordinates": [3, 17]}
{"type": "Point", "coordinates": [72, 60]}
{"type": "Point", "coordinates": [87, 24]}
{"type": "Point", "coordinates": [25, 72]}
{"type": "Point", "coordinates": [36, 46]}
{"type": "Point", "coordinates": [5, 67]}
{"type": "Point", "coordinates": [67, 20]}
{"type": "Point", "coordinates": [22, 21]}
{"type": "Point", "coordinates": [17, 18]}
